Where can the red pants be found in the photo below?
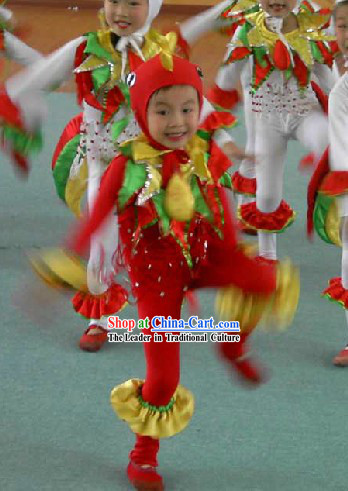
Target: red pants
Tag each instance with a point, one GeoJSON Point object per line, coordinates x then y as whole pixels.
{"type": "Point", "coordinates": [160, 276]}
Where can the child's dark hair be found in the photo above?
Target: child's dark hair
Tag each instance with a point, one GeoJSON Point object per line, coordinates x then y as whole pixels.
{"type": "Point", "coordinates": [337, 6]}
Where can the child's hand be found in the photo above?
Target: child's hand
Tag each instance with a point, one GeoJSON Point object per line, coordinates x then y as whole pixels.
{"type": "Point", "coordinates": [233, 152]}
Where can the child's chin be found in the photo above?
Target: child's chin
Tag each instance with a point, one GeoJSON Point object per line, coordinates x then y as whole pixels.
{"type": "Point", "coordinates": [176, 144]}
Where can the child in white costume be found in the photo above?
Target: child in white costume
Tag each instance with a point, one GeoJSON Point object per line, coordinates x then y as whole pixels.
{"type": "Point", "coordinates": [329, 186]}
{"type": "Point", "coordinates": [285, 50]}
{"type": "Point", "coordinates": [101, 62]}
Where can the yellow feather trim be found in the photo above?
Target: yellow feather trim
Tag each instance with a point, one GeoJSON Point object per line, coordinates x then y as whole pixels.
{"type": "Point", "coordinates": [333, 224]}
{"type": "Point", "coordinates": [309, 29]}
{"type": "Point", "coordinates": [75, 189]}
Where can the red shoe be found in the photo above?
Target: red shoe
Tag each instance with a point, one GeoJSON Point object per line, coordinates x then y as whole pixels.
{"type": "Point", "coordinates": [93, 342]}
{"type": "Point", "coordinates": [144, 478]}
{"type": "Point", "coordinates": [236, 354]}
{"type": "Point", "coordinates": [248, 371]}
{"type": "Point", "coordinates": [341, 360]}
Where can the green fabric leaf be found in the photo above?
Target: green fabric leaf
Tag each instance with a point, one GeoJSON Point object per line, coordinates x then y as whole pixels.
{"type": "Point", "coordinates": [118, 127]}
{"type": "Point", "coordinates": [205, 135]}
{"type": "Point", "coordinates": [100, 76]}
{"type": "Point", "coordinates": [63, 165]}
{"type": "Point", "coordinates": [93, 47]}
{"type": "Point", "coordinates": [200, 203]}
{"type": "Point", "coordinates": [260, 53]}
{"type": "Point", "coordinates": [22, 142]}
{"type": "Point", "coordinates": [134, 180]}
{"type": "Point", "coordinates": [158, 200]}
{"type": "Point", "coordinates": [125, 91]}
{"type": "Point", "coordinates": [226, 181]}
{"type": "Point", "coordinates": [316, 53]}
{"type": "Point", "coordinates": [321, 209]}
{"type": "Point", "coordinates": [243, 34]}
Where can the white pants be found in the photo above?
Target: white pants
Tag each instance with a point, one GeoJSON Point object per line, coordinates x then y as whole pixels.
{"type": "Point", "coordinates": [271, 140]}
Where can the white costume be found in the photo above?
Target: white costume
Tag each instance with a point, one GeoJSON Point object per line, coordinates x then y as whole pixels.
{"type": "Point", "coordinates": [282, 111]}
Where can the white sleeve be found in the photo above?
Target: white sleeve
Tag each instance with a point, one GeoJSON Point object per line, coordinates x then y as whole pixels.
{"type": "Point", "coordinates": [228, 76]}
{"type": "Point", "coordinates": [6, 14]}
{"type": "Point", "coordinates": [338, 125]}
{"type": "Point", "coordinates": [325, 76]}
{"type": "Point", "coordinates": [26, 87]}
{"type": "Point", "coordinates": [208, 20]}
{"type": "Point", "coordinates": [46, 73]}
{"type": "Point", "coordinates": [18, 51]}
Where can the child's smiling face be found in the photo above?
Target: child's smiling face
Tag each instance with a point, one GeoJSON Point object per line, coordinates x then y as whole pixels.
{"type": "Point", "coordinates": [173, 115]}
{"type": "Point", "coordinates": [124, 17]}
{"type": "Point", "coordinates": [341, 27]}
{"type": "Point", "coordinates": [278, 8]}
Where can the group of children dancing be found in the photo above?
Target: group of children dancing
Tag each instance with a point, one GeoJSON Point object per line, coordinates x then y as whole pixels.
{"type": "Point", "coordinates": [152, 156]}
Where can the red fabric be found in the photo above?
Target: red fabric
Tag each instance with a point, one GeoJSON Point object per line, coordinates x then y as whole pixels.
{"type": "Point", "coordinates": [244, 185]}
{"type": "Point", "coordinates": [9, 112]}
{"type": "Point", "coordinates": [321, 96]}
{"type": "Point", "coordinates": [152, 76]}
{"type": "Point", "coordinates": [223, 98]}
{"type": "Point", "coordinates": [236, 354]}
{"type": "Point", "coordinates": [281, 56]}
{"type": "Point", "coordinates": [262, 72]}
{"type": "Point", "coordinates": [145, 451]}
{"type": "Point", "coordinates": [238, 54]}
{"type": "Point", "coordinates": [336, 292]}
{"type": "Point", "coordinates": [300, 71]}
{"type": "Point", "coordinates": [218, 162]}
{"type": "Point", "coordinates": [144, 478]}
{"type": "Point", "coordinates": [307, 162]}
{"type": "Point", "coordinates": [335, 183]}
{"type": "Point", "coordinates": [72, 129]}
{"type": "Point", "coordinates": [95, 306]}
{"type": "Point", "coordinates": [327, 56]}
{"type": "Point", "coordinates": [2, 45]}
{"type": "Point", "coordinates": [218, 119]}
{"type": "Point", "coordinates": [314, 184]}
{"type": "Point", "coordinates": [275, 220]}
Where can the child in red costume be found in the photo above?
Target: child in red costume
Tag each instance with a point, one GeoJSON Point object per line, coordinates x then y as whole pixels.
{"type": "Point", "coordinates": [177, 234]}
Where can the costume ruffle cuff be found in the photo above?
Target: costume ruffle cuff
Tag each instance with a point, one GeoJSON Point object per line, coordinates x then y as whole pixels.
{"type": "Point", "coordinates": [335, 183]}
{"type": "Point", "coordinates": [223, 99]}
{"type": "Point", "coordinates": [60, 269]}
{"type": "Point", "coordinates": [275, 222]}
{"type": "Point", "coordinates": [244, 185]}
{"type": "Point", "coordinates": [216, 120]}
{"type": "Point", "coordinates": [336, 293]}
{"type": "Point", "coordinates": [14, 136]}
{"type": "Point", "coordinates": [92, 306]}
{"type": "Point", "coordinates": [148, 420]}
{"type": "Point", "coordinates": [276, 310]}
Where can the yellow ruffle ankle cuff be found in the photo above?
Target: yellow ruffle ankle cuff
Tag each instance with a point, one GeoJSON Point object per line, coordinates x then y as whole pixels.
{"type": "Point", "coordinates": [275, 311]}
{"type": "Point", "coordinates": [147, 420]}
{"type": "Point", "coordinates": [60, 269]}
{"type": "Point", "coordinates": [284, 301]}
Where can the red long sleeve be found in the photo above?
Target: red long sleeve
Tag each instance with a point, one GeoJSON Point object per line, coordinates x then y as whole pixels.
{"type": "Point", "coordinates": [106, 199]}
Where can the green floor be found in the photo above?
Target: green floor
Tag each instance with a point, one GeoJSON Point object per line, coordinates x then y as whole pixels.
{"type": "Point", "coordinates": [58, 431]}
